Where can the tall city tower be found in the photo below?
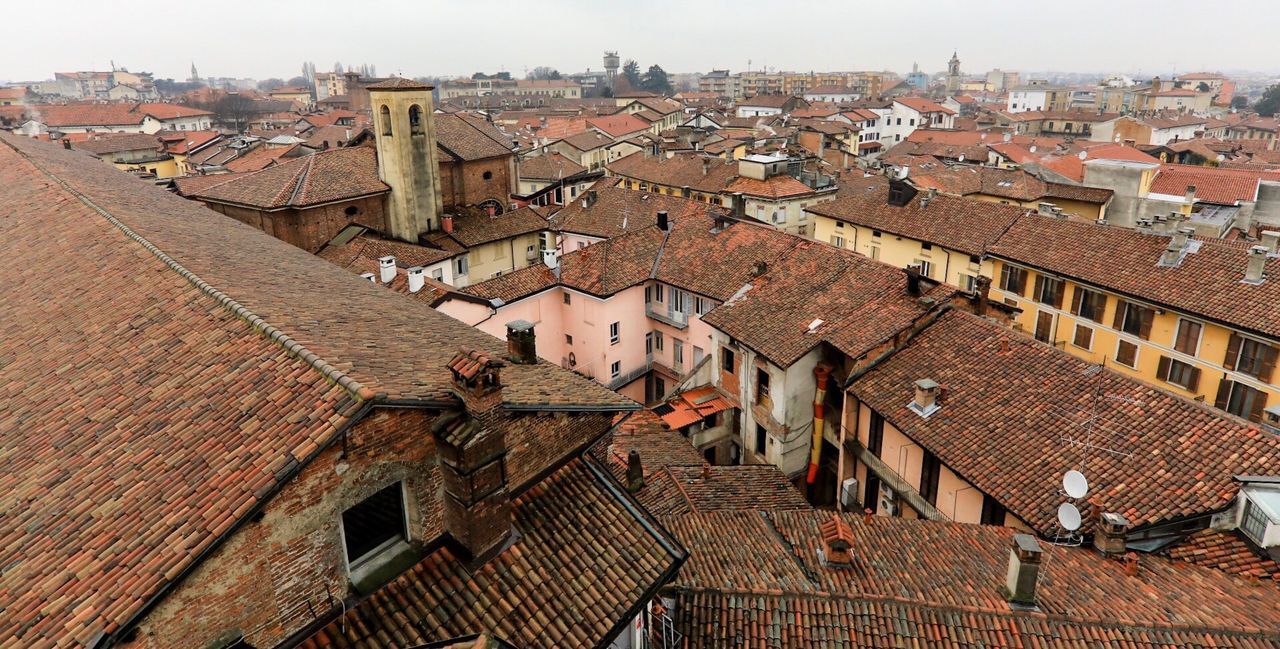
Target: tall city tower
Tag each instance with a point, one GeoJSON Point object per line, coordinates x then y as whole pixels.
{"type": "Point", "coordinates": [405, 134]}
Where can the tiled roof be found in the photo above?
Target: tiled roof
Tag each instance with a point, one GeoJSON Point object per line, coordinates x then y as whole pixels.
{"type": "Point", "coordinates": [473, 227]}
{"type": "Point", "coordinates": [922, 105]}
{"type": "Point", "coordinates": [678, 171]}
{"type": "Point", "coordinates": [1226, 551]}
{"type": "Point", "coordinates": [197, 335]}
{"type": "Point", "coordinates": [1225, 186]}
{"type": "Point", "coordinates": [775, 187]}
{"type": "Point", "coordinates": [88, 115]}
{"type": "Point", "coordinates": [616, 211]}
{"type": "Point", "coordinates": [183, 142]}
{"type": "Point", "coordinates": [1165, 457]}
{"type": "Point", "coordinates": [1016, 184]}
{"type": "Point", "coordinates": [717, 264]}
{"type": "Point", "coordinates": [1206, 284]}
{"type": "Point", "coordinates": [859, 302]}
{"type": "Point", "coordinates": [969, 226]}
{"type": "Point", "coordinates": [119, 142]}
{"type": "Point", "coordinates": [618, 125]}
{"type": "Point", "coordinates": [257, 159]}
{"type": "Point", "coordinates": [551, 166]}
{"type": "Point", "coordinates": [754, 579]}
{"type": "Point", "coordinates": [361, 255]}
{"type": "Point", "coordinates": [470, 137]}
{"type": "Point", "coordinates": [397, 83]}
{"type": "Point", "coordinates": [584, 557]}
{"type": "Point", "coordinates": [334, 175]}
{"type": "Point", "coordinates": [517, 284]}
{"type": "Point", "coordinates": [588, 140]}
{"type": "Point", "coordinates": [765, 101]}
{"type": "Point", "coordinates": [171, 111]}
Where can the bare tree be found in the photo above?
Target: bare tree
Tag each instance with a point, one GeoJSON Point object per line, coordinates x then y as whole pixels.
{"type": "Point", "coordinates": [543, 72]}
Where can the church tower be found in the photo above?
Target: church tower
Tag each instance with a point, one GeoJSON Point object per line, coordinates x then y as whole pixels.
{"type": "Point", "coordinates": [404, 128]}
{"type": "Point", "coordinates": [953, 73]}
{"type": "Point", "coordinates": [195, 76]}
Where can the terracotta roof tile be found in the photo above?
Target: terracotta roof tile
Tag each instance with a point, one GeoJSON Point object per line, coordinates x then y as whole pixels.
{"type": "Point", "coordinates": [1226, 551]}
{"type": "Point", "coordinates": [1225, 186]}
{"type": "Point", "coordinates": [470, 137]}
{"type": "Point", "coordinates": [337, 174]}
{"type": "Point", "coordinates": [551, 166]}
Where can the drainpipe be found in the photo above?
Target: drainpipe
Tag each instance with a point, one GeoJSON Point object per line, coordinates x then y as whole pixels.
{"type": "Point", "coordinates": [819, 398]}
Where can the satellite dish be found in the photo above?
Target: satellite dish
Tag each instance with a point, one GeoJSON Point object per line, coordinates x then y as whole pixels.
{"type": "Point", "coordinates": [1075, 484]}
{"type": "Point", "coordinates": [1084, 154]}
{"type": "Point", "coordinates": [1069, 517]}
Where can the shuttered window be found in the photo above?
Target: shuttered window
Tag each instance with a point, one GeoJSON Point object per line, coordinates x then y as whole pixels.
{"type": "Point", "coordinates": [1049, 291]}
{"type": "Point", "coordinates": [1187, 339]}
{"type": "Point", "coordinates": [1251, 357]}
{"type": "Point", "coordinates": [930, 475]}
{"type": "Point", "coordinates": [1013, 279]}
{"type": "Point", "coordinates": [1127, 354]}
{"type": "Point", "coordinates": [1241, 400]}
{"type": "Point", "coordinates": [1133, 319]}
{"type": "Point", "coordinates": [1172, 370]}
{"type": "Point", "coordinates": [1088, 304]}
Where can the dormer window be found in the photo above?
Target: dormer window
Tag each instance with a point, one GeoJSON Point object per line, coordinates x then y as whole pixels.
{"type": "Point", "coordinates": [375, 535]}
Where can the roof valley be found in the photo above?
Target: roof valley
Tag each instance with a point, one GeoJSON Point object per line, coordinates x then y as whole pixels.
{"type": "Point", "coordinates": [266, 329]}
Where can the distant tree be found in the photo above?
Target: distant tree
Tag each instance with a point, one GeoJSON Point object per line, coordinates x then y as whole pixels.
{"type": "Point", "coordinates": [232, 111]}
{"type": "Point", "coordinates": [631, 73]}
{"type": "Point", "coordinates": [171, 87]}
{"type": "Point", "coordinates": [268, 84]}
{"type": "Point", "coordinates": [298, 82]}
{"type": "Point", "coordinates": [505, 76]}
{"type": "Point", "coordinates": [1240, 103]}
{"type": "Point", "coordinates": [543, 72]}
{"type": "Point", "coordinates": [1269, 105]}
{"type": "Point", "coordinates": [656, 81]}
{"type": "Point", "coordinates": [606, 91]}
{"type": "Point", "coordinates": [1203, 87]}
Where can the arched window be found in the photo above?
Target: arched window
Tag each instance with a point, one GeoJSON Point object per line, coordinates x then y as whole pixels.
{"type": "Point", "coordinates": [385, 116]}
{"type": "Point", "coordinates": [416, 126]}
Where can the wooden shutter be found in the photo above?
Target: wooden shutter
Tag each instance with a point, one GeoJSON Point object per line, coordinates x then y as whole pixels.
{"type": "Point", "coordinates": [1259, 404]}
{"type": "Point", "coordinates": [1268, 365]}
{"type": "Point", "coordinates": [1022, 281]}
{"type": "Point", "coordinates": [1162, 370]}
{"type": "Point", "coordinates": [1233, 352]}
{"type": "Point", "coordinates": [1058, 292]}
{"type": "Point", "coordinates": [1147, 317]}
{"type": "Point", "coordinates": [1038, 288]}
{"type": "Point", "coordinates": [1077, 294]}
{"type": "Point", "coordinates": [1224, 393]}
{"type": "Point", "coordinates": [1193, 381]}
{"type": "Point", "coordinates": [1117, 322]}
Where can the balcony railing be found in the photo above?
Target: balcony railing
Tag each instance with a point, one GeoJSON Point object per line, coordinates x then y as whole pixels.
{"type": "Point", "coordinates": [629, 376]}
{"type": "Point", "coordinates": [896, 482]}
{"type": "Point", "coordinates": [669, 316]}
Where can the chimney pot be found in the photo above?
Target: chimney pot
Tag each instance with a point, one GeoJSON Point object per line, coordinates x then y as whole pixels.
{"type": "Point", "coordinates": [522, 347]}
{"type": "Point", "coordinates": [913, 280]}
{"type": "Point", "coordinates": [635, 472]}
{"type": "Point", "coordinates": [663, 223]}
{"type": "Point", "coordinates": [837, 542]}
{"type": "Point", "coordinates": [417, 278]}
{"type": "Point", "coordinates": [1255, 271]}
{"type": "Point", "coordinates": [1109, 537]}
{"type": "Point", "coordinates": [1191, 194]}
{"type": "Point", "coordinates": [706, 166]}
{"type": "Point", "coordinates": [1271, 241]}
{"type": "Point", "coordinates": [386, 269]}
{"type": "Point", "coordinates": [925, 398]}
{"type": "Point", "coordinates": [983, 294]}
{"type": "Point", "coordinates": [1024, 571]}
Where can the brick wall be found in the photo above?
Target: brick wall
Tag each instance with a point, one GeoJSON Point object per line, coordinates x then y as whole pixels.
{"type": "Point", "coordinates": [463, 183]}
{"type": "Point", "coordinates": [311, 228]}
{"type": "Point", "coordinates": [274, 576]}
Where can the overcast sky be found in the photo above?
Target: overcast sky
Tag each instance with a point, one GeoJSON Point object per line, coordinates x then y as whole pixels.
{"type": "Point", "coordinates": [271, 38]}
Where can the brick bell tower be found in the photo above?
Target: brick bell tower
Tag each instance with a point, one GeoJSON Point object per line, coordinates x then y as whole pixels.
{"type": "Point", "coordinates": [404, 128]}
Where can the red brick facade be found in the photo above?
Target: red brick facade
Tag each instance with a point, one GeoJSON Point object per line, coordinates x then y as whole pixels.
{"type": "Point", "coordinates": [464, 183]}
{"type": "Point", "coordinates": [310, 229]}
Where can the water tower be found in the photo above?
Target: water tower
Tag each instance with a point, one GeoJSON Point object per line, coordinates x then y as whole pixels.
{"type": "Point", "coordinates": [611, 64]}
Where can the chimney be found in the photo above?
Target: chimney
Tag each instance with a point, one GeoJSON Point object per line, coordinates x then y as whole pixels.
{"type": "Point", "coordinates": [66, 143]}
{"type": "Point", "coordinates": [739, 205]}
{"type": "Point", "coordinates": [1271, 241]}
{"type": "Point", "coordinates": [386, 269]}
{"type": "Point", "coordinates": [1024, 571]}
{"type": "Point", "coordinates": [635, 472]}
{"type": "Point", "coordinates": [1046, 209]}
{"type": "Point", "coordinates": [477, 505]}
{"type": "Point", "coordinates": [1255, 272]}
{"type": "Point", "coordinates": [837, 542]}
{"type": "Point", "coordinates": [550, 259]}
{"type": "Point", "coordinates": [925, 397]}
{"type": "Point", "coordinates": [522, 346]}
{"type": "Point", "coordinates": [1190, 197]}
{"type": "Point", "coordinates": [913, 280]}
{"type": "Point", "coordinates": [446, 223]}
{"type": "Point", "coordinates": [759, 268]}
{"type": "Point", "coordinates": [417, 278]}
{"type": "Point", "coordinates": [589, 198]}
{"type": "Point", "coordinates": [1155, 84]}
{"type": "Point", "coordinates": [1177, 246]}
{"type": "Point", "coordinates": [928, 197]}
{"type": "Point", "coordinates": [1145, 225]}
{"type": "Point", "coordinates": [706, 166]}
{"type": "Point", "coordinates": [983, 297]}
{"type": "Point", "coordinates": [370, 276]}
{"type": "Point", "coordinates": [663, 223]}
{"type": "Point", "coordinates": [1109, 537]}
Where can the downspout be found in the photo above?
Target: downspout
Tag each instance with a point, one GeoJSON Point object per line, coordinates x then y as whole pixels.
{"type": "Point", "coordinates": [820, 373]}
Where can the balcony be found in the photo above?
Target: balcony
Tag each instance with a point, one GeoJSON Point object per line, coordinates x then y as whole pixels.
{"type": "Point", "coordinates": [667, 316]}
{"type": "Point", "coordinates": [629, 376]}
{"type": "Point", "coordinates": [896, 482]}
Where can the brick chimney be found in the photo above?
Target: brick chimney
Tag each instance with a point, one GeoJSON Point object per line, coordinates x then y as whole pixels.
{"type": "Point", "coordinates": [663, 223]}
{"type": "Point", "coordinates": [837, 542]}
{"type": "Point", "coordinates": [472, 448]}
{"type": "Point", "coordinates": [1255, 271]}
{"type": "Point", "coordinates": [635, 472]}
{"type": "Point", "coordinates": [982, 299]}
{"type": "Point", "coordinates": [446, 223]}
{"type": "Point", "coordinates": [706, 166]}
{"type": "Point", "coordinates": [1271, 241]}
{"type": "Point", "coordinates": [1109, 536]}
{"type": "Point", "coordinates": [522, 346]}
{"type": "Point", "coordinates": [1190, 196]}
{"type": "Point", "coordinates": [924, 399]}
{"type": "Point", "coordinates": [739, 205]}
{"type": "Point", "coordinates": [1024, 571]}
{"type": "Point", "coordinates": [913, 280]}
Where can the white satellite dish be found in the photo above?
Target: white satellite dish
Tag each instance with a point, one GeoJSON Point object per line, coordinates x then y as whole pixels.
{"type": "Point", "coordinates": [1068, 517]}
{"type": "Point", "coordinates": [1075, 484]}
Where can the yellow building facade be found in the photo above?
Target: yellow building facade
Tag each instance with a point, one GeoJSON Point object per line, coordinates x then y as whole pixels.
{"type": "Point", "coordinates": [936, 262]}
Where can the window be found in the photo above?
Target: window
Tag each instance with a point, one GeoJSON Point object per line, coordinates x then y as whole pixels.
{"type": "Point", "coordinates": [1251, 357]}
{"type": "Point", "coordinates": [762, 383]}
{"type": "Point", "coordinates": [568, 298]}
{"type": "Point", "coordinates": [657, 293]}
{"type": "Point", "coordinates": [992, 511]}
{"type": "Point", "coordinates": [1013, 279]}
{"type": "Point", "coordinates": [910, 122]}
{"type": "Point", "coordinates": [875, 252]}
{"type": "Point", "coordinates": [1241, 400]}
{"type": "Point", "coordinates": [926, 267]}
{"type": "Point", "coordinates": [1044, 327]}
{"type": "Point", "coordinates": [1049, 290]}
{"type": "Point", "coordinates": [461, 266]}
{"type": "Point", "coordinates": [926, 246]}
{"type": "Point", "coordinates": [648, 294]}
{"type": "Point", "coordinates": [840, 224]}
{"type": "Point", "coordinates": [930, 475]}
{"type": "Point", "coordinates": [762, 436]}
{"type": "Point", "coordinates": [1083, 337]}
{"type": "Point", "coordinates": [1088, 304]}
{"type": "Point", "coordinates": [727, 362]}
{"type": "Point", "coordinates": [415, 121]}
{"type": "Point", "coordinates": [613, 333]}
{"type": "Point", "coordinates": [1127, 354]}
{"type": "Point", "coordinates": [615, 370]}
{"type": "Point", "coordinates": [876, 233]}
{"type": "Point", "coordinates": [679, 300]}
{"type": "Point", "coordinates": [568, 339]}
{"type": "Point", "coordinates": [875, 434]}
{"type": "Point", "coordinates": [837, 241]}
{"type": "Point", "coordinates": [437, 274]}
{"type": "Point", "coordinates": [374, 525]}
{"type": "Point", "coordinates": [974, 259]}
{"type": "Point", "coordinates": [488, 175]}
{"type": "Point", "coordinates": [1133, 319]}
{"type": "Point", "coordinates": [701, 306]}
{"type": "Point", "coordinates": [384, 115]}
{"type": "Point", "coordinates": [697, 354]}
{"type": "Point", "coordinates": [1184, 375]}
{"type": "Point", "coordinates": [658, 341]}
{"type": "Point", "coordinates": [1187, 340]}
{"type": "Point", "coordinates": [1254, 522]}
{"type": "Point", "coordinates": [677, 353]}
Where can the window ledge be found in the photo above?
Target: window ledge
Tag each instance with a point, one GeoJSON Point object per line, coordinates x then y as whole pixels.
{"type": "Point", "coordinates": [383, 565]}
